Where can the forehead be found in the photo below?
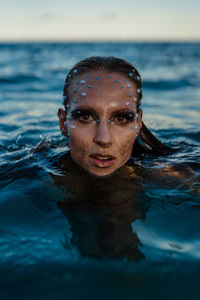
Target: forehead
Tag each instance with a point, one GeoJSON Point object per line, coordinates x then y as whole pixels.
{"type": "Point", "coordinates": [100, 87]}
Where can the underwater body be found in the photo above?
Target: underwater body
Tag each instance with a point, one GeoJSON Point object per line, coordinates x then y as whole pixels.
{"type": "Point", "coordinates": [65, 234]}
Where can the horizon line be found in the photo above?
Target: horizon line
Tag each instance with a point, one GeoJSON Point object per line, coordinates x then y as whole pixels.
{"type": "Point", "coordinates": [145, 40]}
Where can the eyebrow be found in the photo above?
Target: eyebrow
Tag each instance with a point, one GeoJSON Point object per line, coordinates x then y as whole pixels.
{"type": "Point", "coordinates": [88, 108]}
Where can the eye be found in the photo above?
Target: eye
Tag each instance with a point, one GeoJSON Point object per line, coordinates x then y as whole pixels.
{"type": "Point", "coordinates": [86, 118]}
{"type": "Point", "coordinates": [123, 118]}
{"type": "Point", "coordinates": [83, 115]}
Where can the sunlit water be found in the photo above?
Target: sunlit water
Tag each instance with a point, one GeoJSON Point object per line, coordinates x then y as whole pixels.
{"type": "Point", "coordinates": [66, 235]}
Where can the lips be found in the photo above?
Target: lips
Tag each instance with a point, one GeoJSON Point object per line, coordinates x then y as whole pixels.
{"type": "Point", "coordinates": [102, 160]}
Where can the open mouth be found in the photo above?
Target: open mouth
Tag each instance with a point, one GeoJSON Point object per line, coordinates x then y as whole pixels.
{"type": "Point", "coordinates": [102, 161]}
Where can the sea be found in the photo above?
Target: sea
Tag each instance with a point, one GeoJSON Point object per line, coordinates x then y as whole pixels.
{"type": "Point", "coordinates": [65, 235]}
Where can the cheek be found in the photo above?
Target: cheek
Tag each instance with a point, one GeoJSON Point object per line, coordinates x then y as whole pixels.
{"type": "Point", "coordinates": [79, 144]}
{"type": "Point", "coordinates": [126, 144]}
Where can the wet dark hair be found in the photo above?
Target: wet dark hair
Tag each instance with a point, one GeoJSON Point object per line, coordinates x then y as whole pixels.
{"type": "Point", "coordinates": [146, 142]}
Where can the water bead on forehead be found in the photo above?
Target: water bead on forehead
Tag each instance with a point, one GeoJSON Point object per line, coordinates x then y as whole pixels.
{"type": "Point", "coordinates": [128, 85]}
{"type": "Point", "coordinates": [89, 86]}
{"type": "Point", "coordinates": [82, 81]}
{"type": "Point", "coordinates": [130, 95]}
{"type": "Point", "coordinates": [127, 103]}
{"type": "Point", "coordinates": [135, 99]}
{"type": "Point", "coordinates": [138, 90]}
{"type": "Point", "coordinates": [83, 94]}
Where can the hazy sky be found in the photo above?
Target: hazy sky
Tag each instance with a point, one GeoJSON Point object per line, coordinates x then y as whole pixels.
{"type": "Point", "coordinates": [99, 20]}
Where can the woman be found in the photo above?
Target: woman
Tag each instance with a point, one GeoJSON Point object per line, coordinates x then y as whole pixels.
{"type": "Point", "coordinates": [103, 120]}
{"type": "Point", "coordinates": [102, 116]}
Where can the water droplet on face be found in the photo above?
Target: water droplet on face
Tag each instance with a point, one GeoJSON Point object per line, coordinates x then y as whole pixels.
{"type": "Point", "coordinates": [72, 126]}
{"type": "Point", "coordinates": [138, 90]}
{"type": "Point", "coordinates": [138, 77]}
{"type": "Point", "coordinates": [130, 74]}
{"type": "Point", "coordinates": [135, 99]}
{"type": "Point", "coordinates": [127, 103]}
{"type": "Point", "coordinates": [89, 86]}
{"type": "Point", "coordinates": [130, 95]}
{"type": "Point", "coordinates": [83, 94]}
{"type": "Point", "coordinates": [75, 71]}
{"type": "Point", "coordinates": [128, 85]}
{"type": "Point", "coordinates": [82, 81]}
{"type": "Point", "coordinates": [69, 75]}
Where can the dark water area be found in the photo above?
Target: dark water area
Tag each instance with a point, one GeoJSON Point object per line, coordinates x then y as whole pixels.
{"type": "Point", "coordinates": [66, 235]}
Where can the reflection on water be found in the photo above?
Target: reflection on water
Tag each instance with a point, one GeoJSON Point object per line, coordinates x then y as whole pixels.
{"type": "Point", "coordinates": [100, 211]}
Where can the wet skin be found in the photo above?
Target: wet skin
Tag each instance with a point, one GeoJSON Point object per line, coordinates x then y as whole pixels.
{"type": "Point", "coordinates": [102, 128]}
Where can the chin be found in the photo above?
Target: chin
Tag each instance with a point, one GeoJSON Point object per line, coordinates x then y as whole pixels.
{"type": "Point", "coordinates": [101, 173]}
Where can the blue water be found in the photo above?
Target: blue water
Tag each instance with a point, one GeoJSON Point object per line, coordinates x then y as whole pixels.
{"type": "Point", "coordinates": [64, 235]}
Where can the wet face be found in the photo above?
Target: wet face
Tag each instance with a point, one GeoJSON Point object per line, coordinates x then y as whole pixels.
{"type": "Point", "coordinates": [102, 121]}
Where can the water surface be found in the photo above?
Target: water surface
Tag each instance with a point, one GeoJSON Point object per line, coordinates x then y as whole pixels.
{"type": "Point", "coordinates": [65, 235]}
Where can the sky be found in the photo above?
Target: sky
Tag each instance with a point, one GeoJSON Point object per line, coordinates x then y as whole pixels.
{"type": "Point", "coordinates": [92, 20]}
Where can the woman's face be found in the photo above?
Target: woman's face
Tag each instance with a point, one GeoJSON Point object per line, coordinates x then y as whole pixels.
{"type": "Point", "coordinates": [102, 121]}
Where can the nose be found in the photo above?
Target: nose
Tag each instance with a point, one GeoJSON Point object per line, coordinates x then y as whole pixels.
{"type": "Point", "coordinates": [103, 135]}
